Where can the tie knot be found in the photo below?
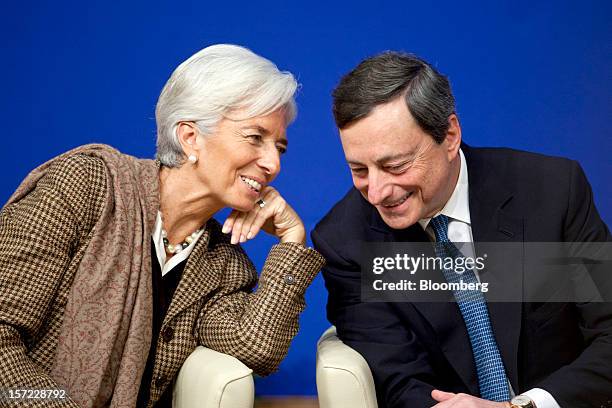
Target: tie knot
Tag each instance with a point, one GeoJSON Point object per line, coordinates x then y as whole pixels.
{"type": "Point", "coordinates": [439, 225]}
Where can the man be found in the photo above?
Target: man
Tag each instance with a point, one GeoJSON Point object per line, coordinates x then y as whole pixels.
{"type": "Point", "coordinates": [414, 181]}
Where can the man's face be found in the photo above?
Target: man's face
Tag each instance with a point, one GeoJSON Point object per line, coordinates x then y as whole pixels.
{"type": "Point", "coordinates": [398, 167]}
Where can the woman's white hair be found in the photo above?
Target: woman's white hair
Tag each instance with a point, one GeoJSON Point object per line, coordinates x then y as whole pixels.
{"type": "Point", "coordinates": [213, 84]}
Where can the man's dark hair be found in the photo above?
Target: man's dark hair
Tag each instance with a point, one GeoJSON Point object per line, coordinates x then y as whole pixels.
{"type": "Point", "coordinates": [382, 78]}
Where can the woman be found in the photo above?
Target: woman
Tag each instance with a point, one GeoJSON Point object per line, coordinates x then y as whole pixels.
{"type": "Point", "coordinates": [112, 269]}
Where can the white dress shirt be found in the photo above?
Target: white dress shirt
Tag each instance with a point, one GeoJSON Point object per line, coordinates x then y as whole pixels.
{"type": "Point", "coordinates": [160, 250]}
{"type": "Point", "coordinates": [457, 209]}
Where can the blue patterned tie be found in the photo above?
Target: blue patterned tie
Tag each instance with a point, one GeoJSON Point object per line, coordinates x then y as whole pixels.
{"type": "Point", "coordinates": [473, 307]}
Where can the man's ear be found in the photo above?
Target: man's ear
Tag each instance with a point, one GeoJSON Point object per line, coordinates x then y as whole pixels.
{"type": "Point", "coordinates": [187, 134]}
{"type": "Point", "coordinates": [453, 137]}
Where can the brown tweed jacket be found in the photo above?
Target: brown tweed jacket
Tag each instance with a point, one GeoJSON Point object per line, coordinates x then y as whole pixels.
{"type": "Point", "coordinates": [42, 239]}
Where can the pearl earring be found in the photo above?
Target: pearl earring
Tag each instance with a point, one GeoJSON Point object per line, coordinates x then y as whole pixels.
{"type": "Point", "coordinates": [192, 158]}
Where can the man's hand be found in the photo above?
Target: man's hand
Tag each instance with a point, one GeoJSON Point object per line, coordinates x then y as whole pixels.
{"type": "Point", "coordinates": [449, 399]}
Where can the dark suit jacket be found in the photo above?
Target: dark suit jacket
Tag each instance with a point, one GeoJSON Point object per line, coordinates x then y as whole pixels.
{"type": "Point", "coordinates": [563, 347]}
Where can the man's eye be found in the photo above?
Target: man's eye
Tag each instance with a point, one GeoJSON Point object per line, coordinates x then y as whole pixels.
{"type": "Point", "coordinates": [358, 170]}
{"type": "Point", "coordinates": [397, 168]}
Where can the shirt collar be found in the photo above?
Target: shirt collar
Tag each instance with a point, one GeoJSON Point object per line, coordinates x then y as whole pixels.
{"type": "Point", "coordinates": [458, 205]}
{"type": "Point", "coordinates": [160, 250]}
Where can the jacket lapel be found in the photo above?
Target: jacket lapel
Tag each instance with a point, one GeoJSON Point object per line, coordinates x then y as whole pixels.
{"type": "Point", "coordinates": [494, 222]}
{"type": "Point", "coordinates": [200, 277]}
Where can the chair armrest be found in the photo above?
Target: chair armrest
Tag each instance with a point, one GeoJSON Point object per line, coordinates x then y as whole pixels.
{"type": "Point", "coordinates": [344, 378]}
{"type": "Point", "coordinates": [209, 379]}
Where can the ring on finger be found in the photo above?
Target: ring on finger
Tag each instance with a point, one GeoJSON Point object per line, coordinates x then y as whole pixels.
{"type": "Point", "coordinates": [261, 203]}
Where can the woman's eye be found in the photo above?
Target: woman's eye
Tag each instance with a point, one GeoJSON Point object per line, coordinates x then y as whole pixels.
{"type": "Point", "coordinates": [255, 137]}
{"type": "Point", "coordinates": [281, 149]}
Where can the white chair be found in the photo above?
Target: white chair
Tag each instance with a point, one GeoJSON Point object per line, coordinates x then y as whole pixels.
{"type": "Point", "coordinates": [209, 379]}
{"type": "Point", "coordinates": [344, 379]}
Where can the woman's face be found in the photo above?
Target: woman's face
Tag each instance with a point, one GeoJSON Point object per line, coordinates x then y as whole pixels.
{"type": "Point", "coordinates": [240, 158]}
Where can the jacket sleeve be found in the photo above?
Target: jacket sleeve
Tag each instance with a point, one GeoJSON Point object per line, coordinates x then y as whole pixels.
{"type": "Point", "coordinates": [587, 381]}
{"type": "Point", "coordinates": [402, 374]}
{"type": "Point", "coordinates": [258, 327]}
{"type": "Point", "coordinates": [39, 235]}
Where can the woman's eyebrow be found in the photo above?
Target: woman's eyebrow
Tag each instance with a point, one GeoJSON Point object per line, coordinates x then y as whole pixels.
{"type": "Point", "coordinates": [258, 128]}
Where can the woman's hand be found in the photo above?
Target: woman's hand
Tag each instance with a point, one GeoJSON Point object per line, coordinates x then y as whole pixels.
{"type": "Point", "coordinates": [276, 218]}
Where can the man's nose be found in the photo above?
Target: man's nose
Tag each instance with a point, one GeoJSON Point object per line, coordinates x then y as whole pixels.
{"type": "Point", "coordinates": [378, 188]}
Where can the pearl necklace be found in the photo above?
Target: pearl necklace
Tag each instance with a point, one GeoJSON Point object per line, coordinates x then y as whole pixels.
{"type": "Point", "coordinates": [175, 249]}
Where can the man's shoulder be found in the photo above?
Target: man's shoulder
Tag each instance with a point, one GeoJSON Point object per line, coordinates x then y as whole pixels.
{"type": "Point", "coordinates": [509, 159]}
{"type": "Point", "coordinates": [518, 170]}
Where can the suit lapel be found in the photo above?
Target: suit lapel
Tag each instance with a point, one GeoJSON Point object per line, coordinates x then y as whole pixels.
{"type": "Point", "coordinates": [493, 222]}
{"type": "Point", "coordinates": [199, 276]}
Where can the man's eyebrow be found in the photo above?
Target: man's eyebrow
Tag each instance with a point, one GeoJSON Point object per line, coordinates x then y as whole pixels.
{"type": "Point", "coordinates": [393, 157]}
{"type": "Point", "coordinates": [381, 161]}
{"type": "Point", "coordinates": [354, 163]}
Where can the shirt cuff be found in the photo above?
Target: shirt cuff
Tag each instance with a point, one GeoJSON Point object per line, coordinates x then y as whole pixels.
{"type": "Point", "coordinates": [541, 398]}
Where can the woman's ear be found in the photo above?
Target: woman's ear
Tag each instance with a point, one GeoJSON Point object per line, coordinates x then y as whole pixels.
{"type": "Point", "coordinates": [187, 134]}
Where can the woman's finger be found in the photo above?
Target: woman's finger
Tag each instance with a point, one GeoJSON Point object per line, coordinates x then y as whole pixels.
{"type": "Point", "coordinates": [251, 215]}
{"type": "Point", "coordinates": [229, 222]}
{"type": "Point", "coordinates": [279, 219]}
{"type": "Point", "coordinates": [237, 228]}
{"type": "Point", "coordinates": [248, 221]}
{"type": "Point", "coordinates": [261, 214]}
{"type": "Point", "coordinates": [261, 218]}
{"type": "Point", "coordinates": [275, 217]}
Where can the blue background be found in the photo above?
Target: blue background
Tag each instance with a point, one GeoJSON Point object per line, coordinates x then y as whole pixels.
{"type": "Point", "coordinates": [529, 75]}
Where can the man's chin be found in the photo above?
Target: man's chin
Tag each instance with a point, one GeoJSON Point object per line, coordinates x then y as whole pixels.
{"type": "Point", "coordinates": [397, 222]}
